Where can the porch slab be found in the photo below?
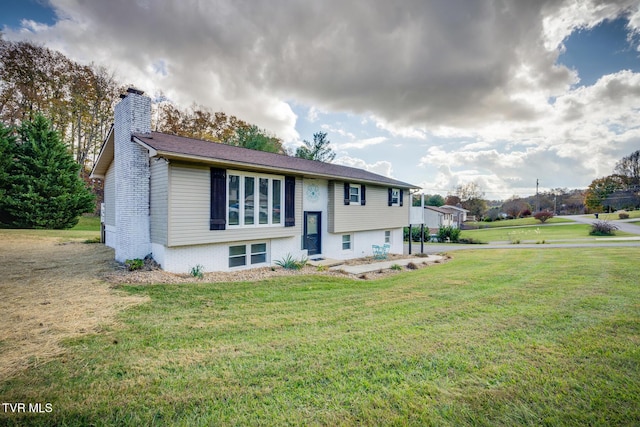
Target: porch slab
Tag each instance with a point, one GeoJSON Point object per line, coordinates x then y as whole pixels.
{"type": "Point", "coordinates": [383, 265]}
{"type": "Point", "coordinates": [325, 262]}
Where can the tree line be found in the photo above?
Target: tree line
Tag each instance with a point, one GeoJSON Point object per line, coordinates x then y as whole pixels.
{"type": "Point", "coordinates": [620, 190]}
{"type": "Point", "coordinates": [79, 102]}
{"type": "Point", "coordinates": [561, 201]}
{"type": "Point", "coordinates": [54, 115]}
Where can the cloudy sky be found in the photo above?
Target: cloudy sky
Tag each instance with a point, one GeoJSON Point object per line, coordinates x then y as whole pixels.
{"type": "Point", "coordinates": [438, 93]}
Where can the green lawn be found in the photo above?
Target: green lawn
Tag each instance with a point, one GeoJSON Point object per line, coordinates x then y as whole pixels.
{"type": "Point", "coordinates": [535, 234]}
{"type": "Point", "coordinates": [519, 222]}
{"type": "Point", "coordinates": [88, 228]}
{"type": "Point", "coordinates": [614, 216]}
{"type": "Point", "coordinates": [500, 337]}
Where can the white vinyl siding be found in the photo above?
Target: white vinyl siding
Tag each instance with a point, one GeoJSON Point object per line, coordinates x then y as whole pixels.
{"type": "Point", "coordinates": [158, 203]}
{"type": "Point", "coordinates": [190, 211]}
{"type": "Point", "coordinates": [110, 196]}
{"type": "Point", "coordinates": [375, 215]}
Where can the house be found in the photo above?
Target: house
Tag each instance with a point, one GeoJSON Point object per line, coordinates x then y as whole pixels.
{"type": "Point", "coordinates": [189, 202]}
{"type": "Point", "coordinates": [459, 215]}
{"type": "Point", "coordinates": [435, 217]}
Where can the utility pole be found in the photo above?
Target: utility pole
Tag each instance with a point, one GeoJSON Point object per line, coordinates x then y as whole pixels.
{"type": "Point", "coordinates": [537, 196]}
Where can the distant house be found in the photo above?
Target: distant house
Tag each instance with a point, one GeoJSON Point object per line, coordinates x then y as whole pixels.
{"type": "Point", "coordinates": [435, 217]}
{"type": "Point", "coordinates": [189, 202]}
{"type": "Point", "coordinates": [459, 215]}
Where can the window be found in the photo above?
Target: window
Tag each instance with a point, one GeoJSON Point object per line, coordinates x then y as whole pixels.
{"type": "Point", "coordinates": [263, 197]}
{"type": "Point", "coordinates": [234, 200]}
{"type": "Point", "coordinates": [395, 197]}
{"type": "Point", "coordinates": [238, 254]}
{"type": "Point", "coordinates": [258, 253]}
{"type": "Point", "coordinates": [276, 197]}
{"type": "Point", "coordinates": [249, 199]}
{"type": "Point", "coordinates": [387, 236]}
{"type": "Point", "coordinates": [254, 200]}
{"type": "Point", "coordinates": [354, 194]}
{"type": "Point", "coordinates": [346, 242]}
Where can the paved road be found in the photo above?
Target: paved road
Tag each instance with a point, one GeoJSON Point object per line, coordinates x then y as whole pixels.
{"type": "Point", "coordinates": [623, 225]}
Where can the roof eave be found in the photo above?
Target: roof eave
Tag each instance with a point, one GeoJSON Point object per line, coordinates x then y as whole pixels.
{"type": "Point", "coordinates": [170, 155]}
{"type": "Point", "coordinates": [105, 157]}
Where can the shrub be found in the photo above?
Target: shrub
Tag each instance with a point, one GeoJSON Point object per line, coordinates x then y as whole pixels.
{"type": "Point", "coordinates": [525, 213]}
{"type": "Point", "coordinates": [623, 215]}
{"type": "Point", "coordinates": [396, 267]}
{"type": "Point", "coordinates": [542, 216]}
{"type": "Point", "coordinates": [471, 241]}
{"type": "Point", "coordinates": [602, 228]}
{"type": "Point", "coordinates": [290, 263]}
{"type": "Point", "coordinates": [134, 264]}
{"type": "Point", "coordinates": [197, 271]}
{"type": "Point", "coordinates": [450, 233]}
{"type": "Point", "coordinates": [412, 266]}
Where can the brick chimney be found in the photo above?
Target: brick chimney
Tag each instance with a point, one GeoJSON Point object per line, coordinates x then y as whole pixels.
{"type": "Point", "coordinates": [132, 115]}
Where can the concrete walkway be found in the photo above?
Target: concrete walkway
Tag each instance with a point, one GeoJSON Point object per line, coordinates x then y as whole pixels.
{"type": "Point", "coordinates": [384, 265]}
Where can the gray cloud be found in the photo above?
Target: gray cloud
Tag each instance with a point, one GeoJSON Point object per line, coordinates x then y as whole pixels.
{"type": "Point", "coordinates": [412, 63]}
{"type": "Point", "coordinates": [481, 71]}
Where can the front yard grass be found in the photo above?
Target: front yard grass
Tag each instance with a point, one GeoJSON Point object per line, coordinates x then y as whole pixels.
{"type": "Point", "coordinates": [536, 234]}
{"type": "Point", "coordinates": [518, 222]}
{"type": "Point", "coordinates": [614, 215]}
{"type": "Point", "coordinates": [88, 228]}
{"type": "Point", "coordinates": [501, 337]}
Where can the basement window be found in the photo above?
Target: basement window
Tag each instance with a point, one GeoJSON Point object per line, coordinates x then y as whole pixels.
{"type": "Point", "coordinates": [249, 254]}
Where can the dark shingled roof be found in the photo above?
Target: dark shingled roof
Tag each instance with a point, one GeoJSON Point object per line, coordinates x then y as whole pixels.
{"type": "Point", "coordinates": [173, 145]}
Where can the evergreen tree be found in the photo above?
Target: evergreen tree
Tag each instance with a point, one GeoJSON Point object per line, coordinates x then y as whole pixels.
{"type": "Point", "coordinates": [7, 154]}
{"type": "Point", "coordinates": [44, 188]}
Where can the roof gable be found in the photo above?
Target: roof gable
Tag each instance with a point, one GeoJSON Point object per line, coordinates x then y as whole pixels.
{"type": "Point", "coordinates": [105, 157]}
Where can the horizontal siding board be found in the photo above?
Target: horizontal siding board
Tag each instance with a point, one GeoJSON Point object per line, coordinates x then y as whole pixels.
{"type": "Point", "coordinates": [158, 202]}
{"type": "Point", "coordinates": [189, 211]}
{"type": "Point", "coordinates": [110, 196]}
{"type": "Point", "coordinates": [375, 215]}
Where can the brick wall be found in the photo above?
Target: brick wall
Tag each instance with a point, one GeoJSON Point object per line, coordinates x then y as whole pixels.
{"type": "Point", "coordinates": [132, 114]}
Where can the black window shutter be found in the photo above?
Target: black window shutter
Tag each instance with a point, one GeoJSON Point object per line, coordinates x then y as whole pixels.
{"type": "Point", "coordinates": [401, 196]}
{"type": "Point", "coordinates": [289, 201]}
{"type": "Point", "coordinates": [218, 199]}
{"type": "Point", "coordinates": [347, 194]}
{"type": "Point", "coordinates": [363, 195]}
{"type": "Point", "coordinates": [390, 198]}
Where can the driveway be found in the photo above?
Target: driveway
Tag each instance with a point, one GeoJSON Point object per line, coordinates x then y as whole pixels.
{"type": "Point", "coordinates": [623, 225]}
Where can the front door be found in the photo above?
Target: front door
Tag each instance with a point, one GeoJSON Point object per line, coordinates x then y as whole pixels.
{"type": "Point", "coordinates": [312, 233]}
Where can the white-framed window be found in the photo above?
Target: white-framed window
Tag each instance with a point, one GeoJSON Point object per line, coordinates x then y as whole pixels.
{"type": "Point", "coordinates": [346, 242]}
{"type": "Point", "coordinates": [254, 200]}
{"type": "Point", "coordinates": [395, 197]}
{"type": "Point", "coordinates": [247, 254]}
{"type": "Point", "coordinates": [354, 194]}
{"type": "Point", "coordinates": [387, 236]}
